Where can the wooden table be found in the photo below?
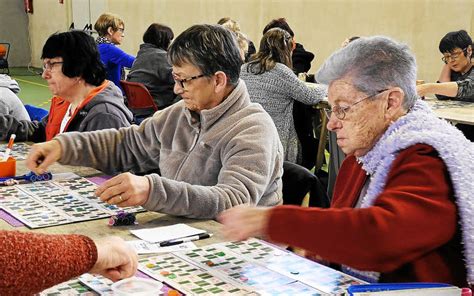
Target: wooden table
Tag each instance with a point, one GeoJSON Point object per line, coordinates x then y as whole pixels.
{"type": "Point", "coordinates": [99, 228]}
{"type": "Point", "coordinates": [453, 111]}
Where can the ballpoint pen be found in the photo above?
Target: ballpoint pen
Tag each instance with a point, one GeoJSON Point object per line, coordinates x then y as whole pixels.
{"type": "Point", "coordinates": [6, 155]}
{"type": "Point", "coordinates": [185, 239]}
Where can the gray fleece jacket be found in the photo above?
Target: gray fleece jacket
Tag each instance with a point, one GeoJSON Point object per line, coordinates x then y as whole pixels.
{"type": "Point", "coordinates": [208, 161]}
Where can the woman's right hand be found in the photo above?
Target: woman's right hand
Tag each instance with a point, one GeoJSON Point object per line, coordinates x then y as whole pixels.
{"type": "Point", "coordinates": [43, 155]}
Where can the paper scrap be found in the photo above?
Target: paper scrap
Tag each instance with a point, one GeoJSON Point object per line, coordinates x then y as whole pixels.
{"type": "Point", "coordinates": [166, 233]}
{"type": "Point", "coordinates": [144, 247]}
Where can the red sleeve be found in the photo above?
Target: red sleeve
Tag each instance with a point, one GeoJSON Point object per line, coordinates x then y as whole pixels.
{"type": "Point", "coordinates": [412, 216]}
{"type": "Point", "coordinates": [30, 262]}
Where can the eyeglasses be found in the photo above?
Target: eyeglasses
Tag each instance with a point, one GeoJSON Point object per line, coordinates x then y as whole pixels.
{"type": "Point", "coordinates": [454, 56]}
{"type": "Point", "coordinates": [49, 65]}
{"type": "Point", "coordinates": [182, 81]}
{"type": "Point", "coordinates": [340, 112]}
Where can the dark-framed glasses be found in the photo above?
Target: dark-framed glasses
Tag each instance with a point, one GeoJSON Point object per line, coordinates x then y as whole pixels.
{"type": "Point", "coordinates": [50, 65]}
{"type": "Point", "coordinates": [454, 56]}
{"type": "Point", "coordinates": [182, 81]}
{"type": "Point", "coordinates": [340, 112]}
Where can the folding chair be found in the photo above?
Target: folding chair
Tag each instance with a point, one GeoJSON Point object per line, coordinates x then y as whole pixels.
{"type": "Point", "coordinates": [5, 50]}
{"type": "Point", "coordinates": [138, 96]}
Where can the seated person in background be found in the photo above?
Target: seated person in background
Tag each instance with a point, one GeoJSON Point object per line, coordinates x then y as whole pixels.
{"type": "Point", "coordinates": [248, 47]}
{"type": "Point", "coordinates": [456, 81]}
{"type": "Point", "coordinates": [10, 104]}
{"type": "Point", "coordinates": [272, 84]}
{"type": "Point", "coordinates": [111, 32]}
{"type": "Point", "coordinates": [402, 206]}
{"type": "Point", "coordinates": [214, 148]}
{"type": "Point", "coordinates": [151, 67]}
{"type": "Point", "coordinates": [83, 100]}
{"type": "Point", "coordinates": [301, 59]}
{"type": "Point", "coordinates": [32, 262]}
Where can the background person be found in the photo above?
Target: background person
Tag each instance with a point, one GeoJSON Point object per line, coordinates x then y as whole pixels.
{"type": "Point", "coordinates": [272, 83]}
{"type": "Point", "coordinates": [405, 169]}
{"type": "Point", "coordinates": [214, 148]}
{"type": "Point", "coordinates": [456, 81]}
{"type": "Point", "coordinates": [247, 48]}
{"type": "Point", "coordinates": [32, 262]}
{"type": "Point", "coordinates": [300, 57]}
{"type": "Point", "coordinates": [83, 100]}
{"type": "Point", "coordinates": [151, 67]}
{"type": "Point", "coordinates": [10, 103]}
{"type": "Point", "coordinates": [111, 28]}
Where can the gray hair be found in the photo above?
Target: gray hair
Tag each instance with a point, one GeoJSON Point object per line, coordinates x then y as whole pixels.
{"type": "Point", "coordinates": [373, 64]}
{"type": "Point", "coordinates": [210, 48]}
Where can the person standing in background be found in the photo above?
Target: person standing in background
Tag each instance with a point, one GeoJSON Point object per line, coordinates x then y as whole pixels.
{"type": "Point", "coordinates": [111, 32]}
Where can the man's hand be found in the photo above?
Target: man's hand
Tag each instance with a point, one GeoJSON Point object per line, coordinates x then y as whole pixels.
{"type": "Point", "coordinates": [125, 190]}
{"type": "Point", "coordinates": [43, 155]}
{"type": "Point", "coordinates": [115, 259]}
{"type": "Point", "coordinates": [242, 222]}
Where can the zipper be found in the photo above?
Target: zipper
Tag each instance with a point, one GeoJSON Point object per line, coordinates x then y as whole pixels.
{"type": "Point", "coordinates": [195, 140]}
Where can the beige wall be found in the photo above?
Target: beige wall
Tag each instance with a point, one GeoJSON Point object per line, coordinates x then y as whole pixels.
{"type": "Point", "coordinates": [320, 25]}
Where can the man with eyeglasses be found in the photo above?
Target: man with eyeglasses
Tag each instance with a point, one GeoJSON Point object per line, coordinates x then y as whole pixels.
{"type": "Point", "coordinates": [214, 149]}
{"type": "Point", "coordinates": [456, 80]}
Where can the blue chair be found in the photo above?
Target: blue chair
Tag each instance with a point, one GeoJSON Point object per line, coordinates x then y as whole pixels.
{"type": "Point", "coordinates": [36, 113]}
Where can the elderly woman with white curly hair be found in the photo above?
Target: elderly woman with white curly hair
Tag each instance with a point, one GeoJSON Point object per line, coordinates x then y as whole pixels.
{"type": "Point", "coordinates": [402, 209]}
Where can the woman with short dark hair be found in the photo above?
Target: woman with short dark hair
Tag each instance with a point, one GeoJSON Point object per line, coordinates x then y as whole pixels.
{"type": "Point", "coordinates": [151, 67]}
{"type": "Point", "coordinates": [83, 99]}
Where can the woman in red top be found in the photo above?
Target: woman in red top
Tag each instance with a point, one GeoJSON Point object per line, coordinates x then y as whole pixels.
{"type": "Point", "coordinates": [402, 209]}
{"type": "Point", "coordinates": [83, 100]}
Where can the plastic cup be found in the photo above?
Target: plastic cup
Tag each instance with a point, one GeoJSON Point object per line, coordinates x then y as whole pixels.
{"type": "Point", "coordinates": [137, 286]}
{"type": "Point", "coordinates": [8, 168]}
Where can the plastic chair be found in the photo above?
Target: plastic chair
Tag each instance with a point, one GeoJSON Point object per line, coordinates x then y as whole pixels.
{"type": "Point", "coordinates": [297, 182]}
{"type": "Point", "coordinates": [138, 96]}
{"type": "Point", "coordinates": [36, 113]}
{"type": "Point", "coordinates": [4, 58]}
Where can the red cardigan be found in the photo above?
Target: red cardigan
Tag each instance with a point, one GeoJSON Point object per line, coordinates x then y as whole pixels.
{"type": "Point", "coordinates": [30, 262]}
{"type": "Point", "coordinates": [411, 232]}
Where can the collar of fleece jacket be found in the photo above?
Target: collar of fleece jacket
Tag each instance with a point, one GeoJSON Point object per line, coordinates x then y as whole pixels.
{"type": "Point", "coordinates": [233, 102]}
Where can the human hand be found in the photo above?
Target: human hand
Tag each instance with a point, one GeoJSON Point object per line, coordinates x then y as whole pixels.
{"type": "Point", "coordinates": [423, 89]}
{"type": "Point", "coordinates": [43, 155]}
{"type": "Point", "coordinates": [242, 222]}
{"type": "Point", "coordinates": [124, 190]}
{"type": "Point", "coordinates": [115, 259]}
